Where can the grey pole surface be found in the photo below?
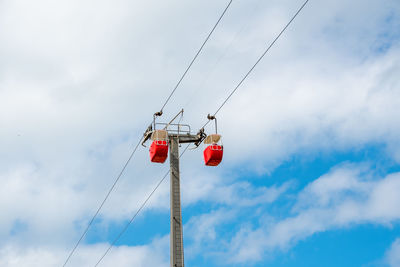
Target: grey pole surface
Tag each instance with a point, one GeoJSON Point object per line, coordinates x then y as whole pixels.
{"type": "Point", "coordinates": [176, 234]}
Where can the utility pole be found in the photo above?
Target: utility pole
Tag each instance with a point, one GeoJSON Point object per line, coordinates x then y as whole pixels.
{"type": "Point", "coordinates": [177, 134]}
{"type": "Point", "coordinates": [176, 234]}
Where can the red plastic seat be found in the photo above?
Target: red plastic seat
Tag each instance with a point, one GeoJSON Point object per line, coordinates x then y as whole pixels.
{"type": "Point", "coordinates": [213, 155]}
{"type": "Point", "coordinates": [159, 151]}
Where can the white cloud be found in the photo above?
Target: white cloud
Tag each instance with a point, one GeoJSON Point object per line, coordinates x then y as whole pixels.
{"type": "Point", "coordinates": [202, 231]}
{"type": "Point", "coordinates": [153, 254]}
{"type": "Point", "coordinates": [345, 107]}
{"type": "Point", "coordinates": [345, 197]}
{"type": "Point", "coordinates": [80, 79]}
{"type": "Point", "coordinates": [218, 188]}
{"type": "Point", "coordinates": [393, 254]}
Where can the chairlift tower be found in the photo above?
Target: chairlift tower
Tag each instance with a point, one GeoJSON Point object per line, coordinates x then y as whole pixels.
{"type": "Point", "coordinates": [174, 135]}
{"type": "Point", "coordinates": [176, 234]}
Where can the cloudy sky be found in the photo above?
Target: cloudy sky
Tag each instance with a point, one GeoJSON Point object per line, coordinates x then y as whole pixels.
{"type": "Point", "coordinates": [311, 169]}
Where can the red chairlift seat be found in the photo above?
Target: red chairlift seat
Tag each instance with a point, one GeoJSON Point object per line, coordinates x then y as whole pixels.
{"type": "Point", "coordinates": [214, 152]}
{"type": "Point", "coordinates": [159, 146]}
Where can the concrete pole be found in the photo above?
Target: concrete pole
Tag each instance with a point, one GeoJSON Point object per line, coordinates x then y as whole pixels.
{"type": "Point", "coordinates": [176, 234]}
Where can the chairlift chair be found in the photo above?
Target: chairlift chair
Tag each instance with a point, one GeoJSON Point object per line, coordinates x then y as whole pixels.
{"type": "Point", "coordinates": [159, 146]}
{"type": "Point", "coordinates": [214, 151]}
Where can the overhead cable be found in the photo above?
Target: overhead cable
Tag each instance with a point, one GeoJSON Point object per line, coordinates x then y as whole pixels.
{"type": "Point", "coordinates": [259, 59]}
{"type": "Point", "coordinates": [212, 69]}
{"type": "Point", "coordinates": [220, 107]}
{"type": "Point", "coordinates": [196, 55]}
{"type": "Point", "coordinates": [240, 83]}
{"type": "Point", "coordinates": [136, 213]}
{"type": "Point", "coordinates": [130, 157]}
{"type": "Point", "coordinates": [102, 203]}
{"type": "Point", "coordinates": [133, 152]}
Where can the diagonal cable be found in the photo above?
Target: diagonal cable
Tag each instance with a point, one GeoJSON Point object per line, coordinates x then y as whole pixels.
{"type": "Point", "coordinates": [137, 212]}
{"type": "Point", "coordinates": [220, 107]}
{"type": "Point", "coordinates": [239, 84]}
{"type": "Point", "coordinates": [165, 103]}
{"type": "Point", "coordinates": [259, 59]}
{"type": "Point", "coordinates": [196, 55]}
{"type": "Point", "coordinates": [102, 203]}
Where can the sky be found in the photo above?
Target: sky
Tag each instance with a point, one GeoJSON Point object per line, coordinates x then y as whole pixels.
{"type": "Point", "coordinates": [311, 168]}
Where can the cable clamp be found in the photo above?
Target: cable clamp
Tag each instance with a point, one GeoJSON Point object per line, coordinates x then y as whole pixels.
{"type": "Point", "coordinates": [210, 117]}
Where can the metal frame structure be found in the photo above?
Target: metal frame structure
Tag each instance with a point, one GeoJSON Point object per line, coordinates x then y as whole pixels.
{"type": "Point", "coordinates": [177, 134]}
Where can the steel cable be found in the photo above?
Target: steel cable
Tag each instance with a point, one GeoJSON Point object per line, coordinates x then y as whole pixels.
{"type": "Point", "coordinates": [173, 91]}
{"type": "Point", "coordinates": [229, 96]}
{"type": "Point", "coordinates": [130, 157]}
{"type": "Point", "coordinates": [102, 203]}
{"type": "Point", "coordinates": [196, 55]}
{"type": "Point", "coordinates": [239, 84]}
{"type": "Point", "coordinates": [136, 213]}
{"type": "Point", "coordinates": [259, 59]}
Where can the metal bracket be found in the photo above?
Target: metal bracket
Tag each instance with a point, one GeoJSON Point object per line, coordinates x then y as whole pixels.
{"type": "Point", "coordinates": [212, 117]}
{"type": "Point", "coordinates": [147, 134]}
{"type": "Point", "coordinates": [179, 113]}
{"type": "Point", "coordinates": [202, 135]}
{"type": "Point", "coordinates": [157, 114]}
{"type": "Point", "coordinates": [185, 136]}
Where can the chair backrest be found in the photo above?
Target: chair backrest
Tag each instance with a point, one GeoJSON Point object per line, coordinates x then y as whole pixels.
{"type": "Point", "coordinates": [212, 139]}
{"type": "Point", "coordinates": [159, 135]}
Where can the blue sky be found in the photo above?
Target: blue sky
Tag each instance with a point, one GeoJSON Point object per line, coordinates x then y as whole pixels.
{"type": "Point", "coordinates": [311, 169]}
{"type": "Point", "coordinates": [361, 245]}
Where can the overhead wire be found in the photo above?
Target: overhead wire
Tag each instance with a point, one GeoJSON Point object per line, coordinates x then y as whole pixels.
{"type": "Point", "coordinates": [196, 55]}
{"type": "Point", "coordinates": [102, 203]}
{"type": "Point", "coordinates": [258, 60]}
{"type": "Point", "coordinates": [220, 107]}
{"type": "Point", "coordinates": [134, 150]}
{"type": "Point", "coordinates": [136, 213]}
{"type": "Point", "coordinates": [213, 68]}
